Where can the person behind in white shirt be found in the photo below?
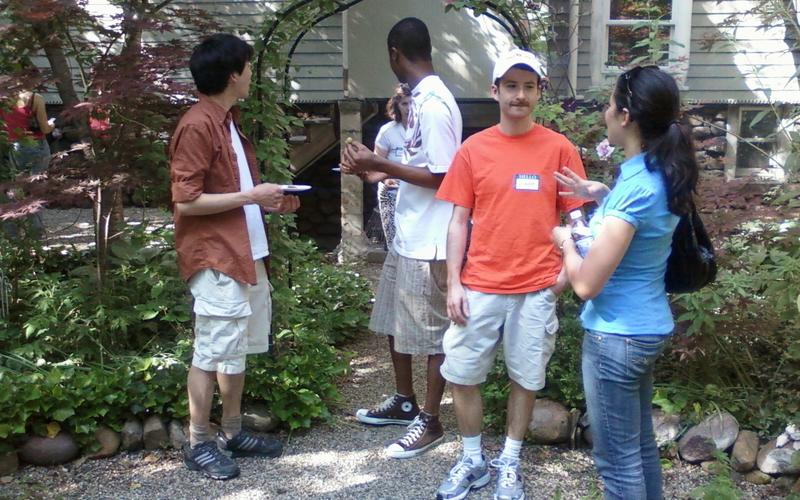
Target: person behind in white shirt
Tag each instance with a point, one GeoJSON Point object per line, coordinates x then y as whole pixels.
{"type": "Point", "coordinates": [411, 303]}
{"type": "Point", "coordinates": [391, 144]}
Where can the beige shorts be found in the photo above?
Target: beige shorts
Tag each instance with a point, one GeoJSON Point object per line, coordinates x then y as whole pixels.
{"type": "Point", "coordinates": [529, 325]}
{"type": "Point", "coordinates": [232, 319]}
{"type": "Point", "coordinates": [411, 304]}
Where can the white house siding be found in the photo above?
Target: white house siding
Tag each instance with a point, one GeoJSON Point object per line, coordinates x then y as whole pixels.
{"type": "Point", "coordinates": [464, 47]}
{"type": "Point", "coordinates": [756, 67]}
{"type": "Point", "coordinates": [558, 75]}
{"type": "Point", "coordinates": [317, 64]}
{"type": "Point", "coordinates": [727, 73]}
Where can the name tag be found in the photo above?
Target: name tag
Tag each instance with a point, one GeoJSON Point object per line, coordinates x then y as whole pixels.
{"type": "Point", "coordinates": [526, 182]}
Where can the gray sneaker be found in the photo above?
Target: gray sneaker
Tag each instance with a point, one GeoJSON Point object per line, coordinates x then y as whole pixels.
{"type": "Point", "coordinates": [463, 477]}
{"type": "Point", "coordinates": [509, 481]}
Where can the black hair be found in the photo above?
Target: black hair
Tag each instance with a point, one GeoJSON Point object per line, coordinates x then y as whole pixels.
{"type": "Point", "coordinates": [215, 59]}
{"type": "Point", "coordinates": [410, 36]}
{"type": "Point", "coordinates": [393, 105]}
{"type": "Point", "coordinates": [653, 101]}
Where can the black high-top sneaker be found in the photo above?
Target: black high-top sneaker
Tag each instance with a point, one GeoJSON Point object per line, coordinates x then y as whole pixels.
{"type": "Point", "coordinates": [395, 410]}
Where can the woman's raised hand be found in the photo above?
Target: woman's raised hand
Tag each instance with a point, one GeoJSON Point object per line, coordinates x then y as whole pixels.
{"type": "Point", "coordinates": [579, 187]}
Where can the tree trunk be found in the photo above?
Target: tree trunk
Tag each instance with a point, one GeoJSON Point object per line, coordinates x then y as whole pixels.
{"type": "Point", "coordinates": [109, 221]}
{"type": "Point", "coordinates": [134, 15]}
{"type": "Point", "coordinates": [54, 51]}
{"type": "Point", "coordinates": [791, 35]}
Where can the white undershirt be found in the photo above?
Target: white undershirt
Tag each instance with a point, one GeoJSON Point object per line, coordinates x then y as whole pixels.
{"type": "Point", "coordinates": [255, 222]}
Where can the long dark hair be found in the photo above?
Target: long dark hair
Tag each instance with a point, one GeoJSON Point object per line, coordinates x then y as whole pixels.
{"type": "Point", "coordinates": [653, 101]}
{"type": "Point", "coordinates": [393, 105]}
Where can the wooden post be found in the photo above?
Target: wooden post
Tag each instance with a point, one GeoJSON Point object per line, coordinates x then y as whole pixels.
{"type": "Point", "coordinates": [353, 246]}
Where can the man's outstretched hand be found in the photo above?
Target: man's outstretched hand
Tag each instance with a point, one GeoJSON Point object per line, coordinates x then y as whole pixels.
{"type": "Point", "coordinates": [357, 158]}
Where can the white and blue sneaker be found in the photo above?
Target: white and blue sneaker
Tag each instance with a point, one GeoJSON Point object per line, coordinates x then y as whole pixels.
{"type": "Point", "coordinates": [464, 477]}
{"type": "Point", "coordinates": [509, 481]}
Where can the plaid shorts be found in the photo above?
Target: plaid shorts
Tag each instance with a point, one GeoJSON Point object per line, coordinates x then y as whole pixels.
{"type": "Point", "coordinates": [411, 304]}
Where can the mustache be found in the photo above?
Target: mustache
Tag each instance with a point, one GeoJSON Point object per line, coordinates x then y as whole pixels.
{"type": "Point", "coordinates": [520, 103]}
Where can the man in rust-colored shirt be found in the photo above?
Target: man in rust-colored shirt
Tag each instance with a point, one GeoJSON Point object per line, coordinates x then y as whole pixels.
{"type": "Point", "coordinates": [221, 242]}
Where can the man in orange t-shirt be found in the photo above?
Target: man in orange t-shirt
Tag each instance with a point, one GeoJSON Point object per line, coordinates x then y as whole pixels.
{"type": "Point", "coordinates": [502, 178]}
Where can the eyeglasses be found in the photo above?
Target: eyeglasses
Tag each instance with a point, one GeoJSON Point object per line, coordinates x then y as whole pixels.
{"type": "Point", "coordinates": [631, 73]}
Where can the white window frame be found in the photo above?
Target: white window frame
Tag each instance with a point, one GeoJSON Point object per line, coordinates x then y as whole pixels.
{"type": "Point", "coordinates": [681, 32]}
{"type": "Point", "coordinates": [776, 171]}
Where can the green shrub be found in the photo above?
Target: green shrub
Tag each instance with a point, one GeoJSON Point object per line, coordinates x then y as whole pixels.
{"type": "Point", "coordinates": [76, 351]}
{"type": "Point", "coordinates": [78, 397]}
{"type": "Point", "coordinates": [740, 348]}
{"type": "Point", "coordinates": [333, 300]}
{"type": "Point", "coordinates": [62, 310]}
{"type": "Point", "coordinates": [299, 380]}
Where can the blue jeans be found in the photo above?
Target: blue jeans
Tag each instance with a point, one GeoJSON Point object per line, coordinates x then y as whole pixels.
{"type": "Point", "coordinates": [618, 383]}
{"type": "Point", "coordinates": [31, 157]}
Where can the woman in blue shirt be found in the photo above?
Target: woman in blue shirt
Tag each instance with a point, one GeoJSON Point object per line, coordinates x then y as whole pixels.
{"type": "Point", "coordinates": [627, 316]}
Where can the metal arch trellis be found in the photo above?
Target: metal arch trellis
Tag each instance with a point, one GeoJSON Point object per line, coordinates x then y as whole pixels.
{"type": "Point", "coordinates": [502, 17]}
{"type": "Point", "coordinates": [5, 287]}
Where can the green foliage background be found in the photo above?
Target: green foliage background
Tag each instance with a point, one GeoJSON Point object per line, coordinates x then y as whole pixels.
{"type": "Point", "coordinates": [78, 354]}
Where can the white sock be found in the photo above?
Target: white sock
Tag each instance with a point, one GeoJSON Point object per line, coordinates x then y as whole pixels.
{"type": "Point", "coordinates": [511, 450]}
{"type": "Point", "coordinates": [472, 448]}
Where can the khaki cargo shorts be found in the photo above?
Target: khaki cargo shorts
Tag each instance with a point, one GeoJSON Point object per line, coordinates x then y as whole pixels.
{"type": "Point", "coordinates": [232, 319]}
{"type": "Point", "coordinates": [529, 325]}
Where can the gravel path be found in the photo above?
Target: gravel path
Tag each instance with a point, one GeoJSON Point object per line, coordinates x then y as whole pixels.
{"type": "Point", "coordinates": [74, 226]}
{"type": "Point", "coordinates": [337, 460]}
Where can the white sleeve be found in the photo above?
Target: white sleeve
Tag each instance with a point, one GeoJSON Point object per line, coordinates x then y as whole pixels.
{"type": "Point", "coordinates": [439, 136]}
{"type": "Point", "coordinates": [381, 140]}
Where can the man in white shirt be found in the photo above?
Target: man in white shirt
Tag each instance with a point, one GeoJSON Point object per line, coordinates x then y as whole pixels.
{"type": "Point", "coordinates": [411, 304]}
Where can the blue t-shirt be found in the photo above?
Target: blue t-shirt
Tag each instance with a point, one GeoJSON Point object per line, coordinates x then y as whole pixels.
{"type": "Point", "coordinates": [634, 301]}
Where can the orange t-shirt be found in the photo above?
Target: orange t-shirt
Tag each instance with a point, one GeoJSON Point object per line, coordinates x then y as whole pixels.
{"type": "Point", "coordinates": [508, 183]}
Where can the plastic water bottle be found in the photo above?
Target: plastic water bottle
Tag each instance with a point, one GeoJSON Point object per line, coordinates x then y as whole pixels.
{"type": "Point", "coordinates": [581, 234]}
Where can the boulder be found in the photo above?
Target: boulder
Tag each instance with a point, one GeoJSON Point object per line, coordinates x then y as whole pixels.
{"type": "Point", "coordinates": [785, 483]}
{"type": "Point", "coordinates": [550, 423]}
{"type": "Point", "coordinates": [745, 451]}
{"type": "Point", "coordinates": [696, 449]}
{"type": "Point", "coordinates": [9, 463]}
{"type": "Point", "coordinates": [155, 433]}
{"type": "Point", "coordinates": [701, 133]}
{"type": "Point", "coordinates": [109, 442]}
{"type": "Point", "coordinates": [773, 460]}
{"type": "Point", "coordinates": [257, 417]}
{"type": "Point", "coordinates": [715, 146]}
{"type": "Point", "coordinates": [177, 438]}
{"type": "Point", "coordinates": [710, 466]}
{"type": "Point", "coordinates": [586, 431]}
{"type": "Point", "coordinates": [587, 436]}
{"type": "Point", "coordinates": [666, 427]}
{"type": "Point", "coordinates": [132, 435]}
{"type": "Point", "coordinates": [695, 121]}
{"type": "Point", "coordinates": [757, 477]}
{"type": "Point", "coordinates": [49, 451]}
{"type": "Point", "coordinates": [717, 431]}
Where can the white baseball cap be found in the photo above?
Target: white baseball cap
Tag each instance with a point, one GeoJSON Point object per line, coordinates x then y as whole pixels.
{"type": "Point", "coordinates": [515, 57]}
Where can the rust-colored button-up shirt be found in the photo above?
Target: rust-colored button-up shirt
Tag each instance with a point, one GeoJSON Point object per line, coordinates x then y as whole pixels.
{"type": "Point", "coordinates": [202, 160]}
